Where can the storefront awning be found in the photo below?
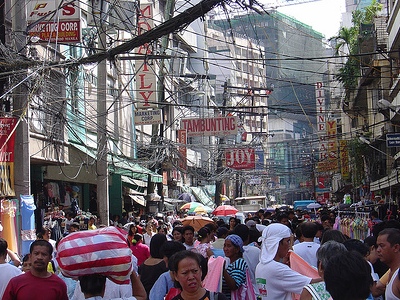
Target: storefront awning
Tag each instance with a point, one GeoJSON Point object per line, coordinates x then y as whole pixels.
{"type": "Point", "coordinates": [123, 166]}
{"type": "Point", "coordinates": [134, 182]}
{"type": "Point", "coordinates": [138, 199]}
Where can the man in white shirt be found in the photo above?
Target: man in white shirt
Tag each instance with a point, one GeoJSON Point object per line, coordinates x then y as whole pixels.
{"type": "Point", "coordinates": [251, 253]}
{"type": "Point", "coordinates": [7, 271]}
{"type": "Point", "coordinates": [275, 280]}
{"type": "Point", "coordinates": [307, 249]}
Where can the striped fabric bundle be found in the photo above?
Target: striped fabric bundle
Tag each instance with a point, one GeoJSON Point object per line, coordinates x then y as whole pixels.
{"type": "Point", "coordinates": [101, 251]}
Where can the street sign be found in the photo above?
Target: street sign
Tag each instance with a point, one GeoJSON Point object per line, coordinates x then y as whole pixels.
{"type": "Point", "coordinates": [392, 140]}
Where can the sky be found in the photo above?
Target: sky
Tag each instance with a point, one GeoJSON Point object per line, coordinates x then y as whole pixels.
{"type": "Point", "coordinates": [323, 16]}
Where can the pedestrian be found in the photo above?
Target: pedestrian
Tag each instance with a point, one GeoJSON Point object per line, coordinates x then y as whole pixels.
{"type": "Point", "coordinates": [154, 266]}
{"type": "Point", "coordinates": [7, 270]}
{"type": "Point", "coordinates": [317, 291]}
{"type": "Point", "coordinates": [93, 287]}
{"type": "Point", "coordinates": [38, 283]}
{"type": "Point", "coordinates": [188, 236]}
{"type": "Point", "coordinates": [204, 247]}
{"type": "Point", "coordinates": [275, 280]}
{"type": "Point", "coordinates": [234, 275]}
{"type": "Point", "coordinates": [166, 281]}
{"type": "Point", "coordinates": [251, 253]}
{"type": "Point", "coordinates": [187, 271]}
{"type": "Point", "coordinates": [307, 249]}
{"type": "Point", "coordinates": [389, 253]}
{"type": "Point", "coordinates": [140, 250]}
{"type": "Point", "coordinates": [348, 277]}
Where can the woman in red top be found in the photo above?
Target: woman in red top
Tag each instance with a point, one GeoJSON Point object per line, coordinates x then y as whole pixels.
{"type": "Point", "coordinates": [140, 250]}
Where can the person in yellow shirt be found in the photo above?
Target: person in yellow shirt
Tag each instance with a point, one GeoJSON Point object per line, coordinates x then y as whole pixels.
{"type": "Point", "coordinates": [91, 225]}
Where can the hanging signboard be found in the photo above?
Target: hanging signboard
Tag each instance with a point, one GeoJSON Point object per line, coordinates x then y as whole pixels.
{"type": "Point", "coordinates": [54, 21]}
{"type": "Point", "coordinates": [147, 117]}
{"type": "Point", "coordinates": [219, 126]}
{"type": "Point", "coordinates": [240, 158]}
{"type": "Point", "coordinates": [7, 142]}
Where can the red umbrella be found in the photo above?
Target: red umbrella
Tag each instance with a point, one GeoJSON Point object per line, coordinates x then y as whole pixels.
{"type": "Point", "coordinates": [224, 210]}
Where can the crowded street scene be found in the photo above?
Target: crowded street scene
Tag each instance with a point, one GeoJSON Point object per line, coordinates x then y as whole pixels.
{"type": "Point", "coordinates": [200, 150]}
{"type": "Point", "coordinates": [341, 252]}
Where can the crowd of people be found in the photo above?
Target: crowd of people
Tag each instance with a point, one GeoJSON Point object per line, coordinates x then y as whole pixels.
{"type": "Point", "coordinates": [271, 255]}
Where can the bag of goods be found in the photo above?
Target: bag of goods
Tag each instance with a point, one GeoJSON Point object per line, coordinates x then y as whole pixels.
{"type": "Point", "coordinates": [101, 251]}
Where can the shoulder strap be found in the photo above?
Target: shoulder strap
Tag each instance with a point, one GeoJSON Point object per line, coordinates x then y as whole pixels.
{"type": "Point", "coordinates": [212, 296]}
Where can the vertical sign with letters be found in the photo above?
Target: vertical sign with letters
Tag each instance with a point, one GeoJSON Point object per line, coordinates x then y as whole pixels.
{"type": "Point", "coordinates": [146, 81]}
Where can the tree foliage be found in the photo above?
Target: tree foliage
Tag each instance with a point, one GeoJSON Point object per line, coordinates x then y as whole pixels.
{"type": "Point", "coordinates": [347, 41]}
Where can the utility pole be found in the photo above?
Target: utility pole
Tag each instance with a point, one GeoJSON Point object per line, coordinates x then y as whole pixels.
{"type": "Point", "coordinates": [103, 205]}
{"type": "Point", "coordinates": [218, 183]}
{"type": "Point", "coordinates": [22, 182]}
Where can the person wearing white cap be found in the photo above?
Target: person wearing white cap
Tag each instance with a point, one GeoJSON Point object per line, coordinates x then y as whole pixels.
{"type": "Point", "coordinates": [274, 279]}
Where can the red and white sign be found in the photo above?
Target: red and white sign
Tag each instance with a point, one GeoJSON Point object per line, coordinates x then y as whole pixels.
{"type": "Point", "coordinates": [54, 24]}
{"type": "Point", "coordinates": [220, 126]}
{"type": "Point", "coordinates": [240, 158]}
{"type": "Point", "coordinates": [146, 82]}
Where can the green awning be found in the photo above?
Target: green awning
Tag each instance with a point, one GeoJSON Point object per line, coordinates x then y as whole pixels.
{"type": "Point", "coordinates": [122, 166]}
{"type": "Point", "coordinates": [133, 170]}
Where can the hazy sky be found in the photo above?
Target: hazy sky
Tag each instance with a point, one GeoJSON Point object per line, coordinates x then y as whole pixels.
{"type": "Point", "coordinates": [324, 16]}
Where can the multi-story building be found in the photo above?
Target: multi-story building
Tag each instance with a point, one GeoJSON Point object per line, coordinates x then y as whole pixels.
{"type": "Point", "coordinates": [287, 42]}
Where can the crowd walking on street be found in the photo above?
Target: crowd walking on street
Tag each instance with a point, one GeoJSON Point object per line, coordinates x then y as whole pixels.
{"type": "Point", "coordinates": [271, 256]}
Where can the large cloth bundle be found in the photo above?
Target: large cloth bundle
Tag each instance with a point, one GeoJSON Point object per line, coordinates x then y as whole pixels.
{"type": "Point", "coordinates": [101, 251]}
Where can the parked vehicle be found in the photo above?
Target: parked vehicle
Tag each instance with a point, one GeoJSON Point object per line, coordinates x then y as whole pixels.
{"type": "Point", "coordinates": [302, 204]}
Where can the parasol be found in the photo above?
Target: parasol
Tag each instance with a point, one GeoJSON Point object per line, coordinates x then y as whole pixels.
{"type": "Point", "coordinates": [201, 209]}
{"type": "Point", "coordinates": [190, 205]}
{"type": "Point", "coordinates": [196, 222]}
{"type": "Point", "coordinates": [225, 210]}
{"type": "Point", "coordinates": [314, 206]}
{"type": "Point", "coordinates": [187, 197]}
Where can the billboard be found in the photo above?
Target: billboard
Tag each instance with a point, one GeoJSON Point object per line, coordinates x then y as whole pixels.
{"type": "Point", "coordinates": [219, 126]}
{"type": "Point", "coordinates": [54, 21]}
{"type": "Point", "coordinates": [240, 158]}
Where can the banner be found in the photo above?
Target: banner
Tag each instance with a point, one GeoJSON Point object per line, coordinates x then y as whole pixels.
{"type": "Point", "coordinates": [7, 144]}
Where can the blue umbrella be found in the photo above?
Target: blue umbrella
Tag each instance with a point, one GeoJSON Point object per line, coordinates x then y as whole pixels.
{"type": "Point", "coordinates": [187, 197]}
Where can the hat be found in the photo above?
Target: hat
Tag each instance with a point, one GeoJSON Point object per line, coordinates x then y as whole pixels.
{"type": "Point", "coordinates": [271, 236]}
{"type": "Point", "coordinates": [251, 223]}
{"type": "Point", "coordinates": [236, 240]}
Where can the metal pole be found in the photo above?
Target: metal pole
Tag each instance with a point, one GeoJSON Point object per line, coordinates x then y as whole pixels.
{"type": "Point", "coordinates": [103, 206]}
{"type": "Point", "coordinates": [22, 170]}
{"type": "Point", "coordinates": [20, 106]}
